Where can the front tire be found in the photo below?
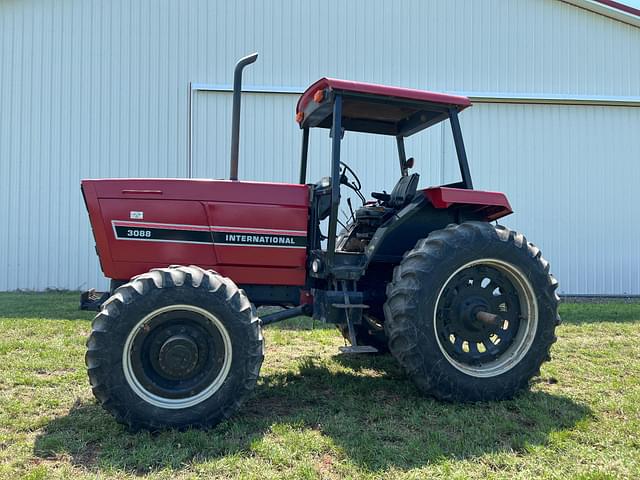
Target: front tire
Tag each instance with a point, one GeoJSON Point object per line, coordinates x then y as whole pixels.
{"type": "Point", "coordinates": [175, 347]}
{"type": "Point", "coordinates": [471, 312]}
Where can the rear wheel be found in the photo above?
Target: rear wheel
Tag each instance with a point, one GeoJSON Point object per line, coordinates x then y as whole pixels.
{"type": "Point", "coordinates": [471, 312]}
{"type": "Point", "coordinates": [174, 347]}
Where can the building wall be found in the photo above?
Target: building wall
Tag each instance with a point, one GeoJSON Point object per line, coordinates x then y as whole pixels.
{"type": "Point", "coordinates": [94, 89]}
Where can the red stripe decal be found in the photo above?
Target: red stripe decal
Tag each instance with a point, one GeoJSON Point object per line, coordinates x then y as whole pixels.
{"type": "Point", "coordinates": [197, 228]}
{"type": "Point", "coordinates": [208, 228]}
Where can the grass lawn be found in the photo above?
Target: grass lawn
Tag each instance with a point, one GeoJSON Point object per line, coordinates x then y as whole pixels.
{"type": "Point", "coordinates": [317, 414]}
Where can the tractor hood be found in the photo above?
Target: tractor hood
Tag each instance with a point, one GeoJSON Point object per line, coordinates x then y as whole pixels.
{"type": "Point", "coordinates": [252, 232]}
{"type": "Point", "coordinates": [200, 189]}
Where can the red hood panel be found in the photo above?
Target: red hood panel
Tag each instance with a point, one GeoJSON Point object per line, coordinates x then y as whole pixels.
{"type": "Point", "coordinates": [253, 232]}
{"type": "Point", "coordinates": [203, 190]}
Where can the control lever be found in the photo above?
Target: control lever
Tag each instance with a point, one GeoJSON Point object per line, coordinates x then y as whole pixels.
{"type": "Point", "coordinates": [383, 197]}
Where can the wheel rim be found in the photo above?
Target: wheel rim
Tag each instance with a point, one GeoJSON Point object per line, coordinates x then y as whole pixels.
{"type": "Point", "coordinates": [485, 317]}
{"type": "Point", "coordinates": [375, 326]}
{"type": "Point", "coordinates": [177, 356]}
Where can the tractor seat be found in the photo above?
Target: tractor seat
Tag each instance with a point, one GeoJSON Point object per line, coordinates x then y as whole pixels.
{"type": "Point", "coordinates": [400, 196]}
{"type": "Point", "coordinates": [404, 191]}
{"type": "Point", "coordinates": [372, 213]}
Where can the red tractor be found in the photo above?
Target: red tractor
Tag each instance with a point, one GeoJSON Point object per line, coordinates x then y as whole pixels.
{"type": "Point", "coordinates": [467, 307]}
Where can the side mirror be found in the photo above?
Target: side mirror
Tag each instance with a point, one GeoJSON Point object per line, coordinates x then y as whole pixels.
{"type": "Point", "coordinates": [409, 162]}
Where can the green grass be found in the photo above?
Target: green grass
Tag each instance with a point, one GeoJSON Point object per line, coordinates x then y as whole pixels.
{"type": "Point", "coordinates": [316, 414]}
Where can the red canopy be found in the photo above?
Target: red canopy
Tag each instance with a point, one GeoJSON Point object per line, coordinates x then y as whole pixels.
{"type": "Point", "coordinates": [372, 108]}
{"type": "Point", "coordinates": [382, 90]}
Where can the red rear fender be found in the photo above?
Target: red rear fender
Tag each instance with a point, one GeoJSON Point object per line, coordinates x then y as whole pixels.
{"type": "Point", "coordinates": [491, 205]}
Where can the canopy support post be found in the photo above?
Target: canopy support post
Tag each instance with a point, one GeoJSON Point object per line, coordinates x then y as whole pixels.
{"type": "Point", "coordinates": [402, 155]}
{"type": "Point", "coordinates": [303, 156]}
{"type": "Point", "coordinates": [462, 154]}
{"type": "Point", "coordinates": [336, 138]}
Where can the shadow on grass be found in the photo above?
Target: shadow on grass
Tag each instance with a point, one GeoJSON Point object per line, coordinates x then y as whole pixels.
{"type": "Point", "coordinates": [370, 411]}
{"type": "Point", "coordinates": [301, 323]}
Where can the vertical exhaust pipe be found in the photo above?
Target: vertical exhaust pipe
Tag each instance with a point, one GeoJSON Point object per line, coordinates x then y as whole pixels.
{"type": "Point", "coordinates": [235, 119]}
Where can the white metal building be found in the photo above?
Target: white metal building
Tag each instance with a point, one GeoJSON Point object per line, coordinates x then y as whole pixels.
{"type": "Point", "coordinates": [123, 88]}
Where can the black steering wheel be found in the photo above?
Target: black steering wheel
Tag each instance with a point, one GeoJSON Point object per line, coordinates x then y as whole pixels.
{"type": "Point", "coordinates": [355, 184]}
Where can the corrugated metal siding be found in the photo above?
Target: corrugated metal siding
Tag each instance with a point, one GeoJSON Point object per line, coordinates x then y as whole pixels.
{"type": "Point", "coordinates": [96, 89]}
{"type": "Point", "coordinates": [570, 173]}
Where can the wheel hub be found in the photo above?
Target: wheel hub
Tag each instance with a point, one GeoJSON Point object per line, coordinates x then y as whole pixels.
{"type": "Point", "coordinates": [178, 356]}
{"type": "Point", "coordinates": [478, 315]}
{"type": "Point", "coordinates": [468, 325]}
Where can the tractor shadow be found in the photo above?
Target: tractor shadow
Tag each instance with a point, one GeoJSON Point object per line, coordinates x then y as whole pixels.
{"type": "Point", "coordinates": [366, 407]}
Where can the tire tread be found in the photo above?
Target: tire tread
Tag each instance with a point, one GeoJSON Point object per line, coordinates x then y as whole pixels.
{"type": "Point", "coordinates": [99, 341]}
{"type": "Point", "coordinates": [413, 278]}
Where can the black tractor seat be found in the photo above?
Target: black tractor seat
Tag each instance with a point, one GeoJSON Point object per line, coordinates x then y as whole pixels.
{"type": "Point", "coordinates": [371, 212]}
{"type": "Point", "coordinates": [402, 193]}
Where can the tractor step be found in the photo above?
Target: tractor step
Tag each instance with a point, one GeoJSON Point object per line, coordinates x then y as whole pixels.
{"type": "Point", "coordinates": [351, 349]}
{"type": "Point", "coordinates": [348, 309]}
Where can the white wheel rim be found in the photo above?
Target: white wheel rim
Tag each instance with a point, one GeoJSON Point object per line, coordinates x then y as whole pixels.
{"type": "Point", "coordinates": [526, 333]}
{"type": "Point", "coordinates": [176, 403]}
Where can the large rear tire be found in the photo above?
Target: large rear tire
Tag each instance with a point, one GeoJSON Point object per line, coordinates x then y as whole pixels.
{"type": "Point", "coordinates": [471, 312]}
{"type": "Point", "coordinates": [174, 347]}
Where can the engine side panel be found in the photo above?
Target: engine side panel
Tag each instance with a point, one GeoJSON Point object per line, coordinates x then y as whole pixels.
{"type": "Point", "coordinates": [253, 232]}
{"type": "Point", "coordinates": [258, 235]}
{"type": "Point", "coordinates": [175, 230]}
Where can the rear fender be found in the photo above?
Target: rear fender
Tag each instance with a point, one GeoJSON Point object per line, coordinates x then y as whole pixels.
{"type": "Point", "coordinates": [487, 205]}
{"type": "Point", "coordinates": [401, 232]}
{"type": "Point", "coordinates": [433, 210]}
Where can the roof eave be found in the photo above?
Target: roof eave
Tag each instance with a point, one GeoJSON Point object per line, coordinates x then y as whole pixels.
{"type": "Point", "coordinates": [611, 9]}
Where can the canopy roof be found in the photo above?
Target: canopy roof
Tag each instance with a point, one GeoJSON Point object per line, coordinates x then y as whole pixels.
{"type": "Point", "coordinates": [372, 108]}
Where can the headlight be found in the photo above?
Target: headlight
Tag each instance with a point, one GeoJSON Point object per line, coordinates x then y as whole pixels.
{"type": "Point", "coordinates": [316, 265]}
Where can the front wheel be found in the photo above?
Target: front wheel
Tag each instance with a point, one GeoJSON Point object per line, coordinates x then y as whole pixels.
{"type": "Point", "coordinates": [175, 347]}
{"type": "Point", "coordinates": [471, 312]}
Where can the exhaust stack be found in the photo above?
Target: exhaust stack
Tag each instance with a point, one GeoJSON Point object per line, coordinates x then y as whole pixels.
{"type": "Point", "coordinates": [235, 119]}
